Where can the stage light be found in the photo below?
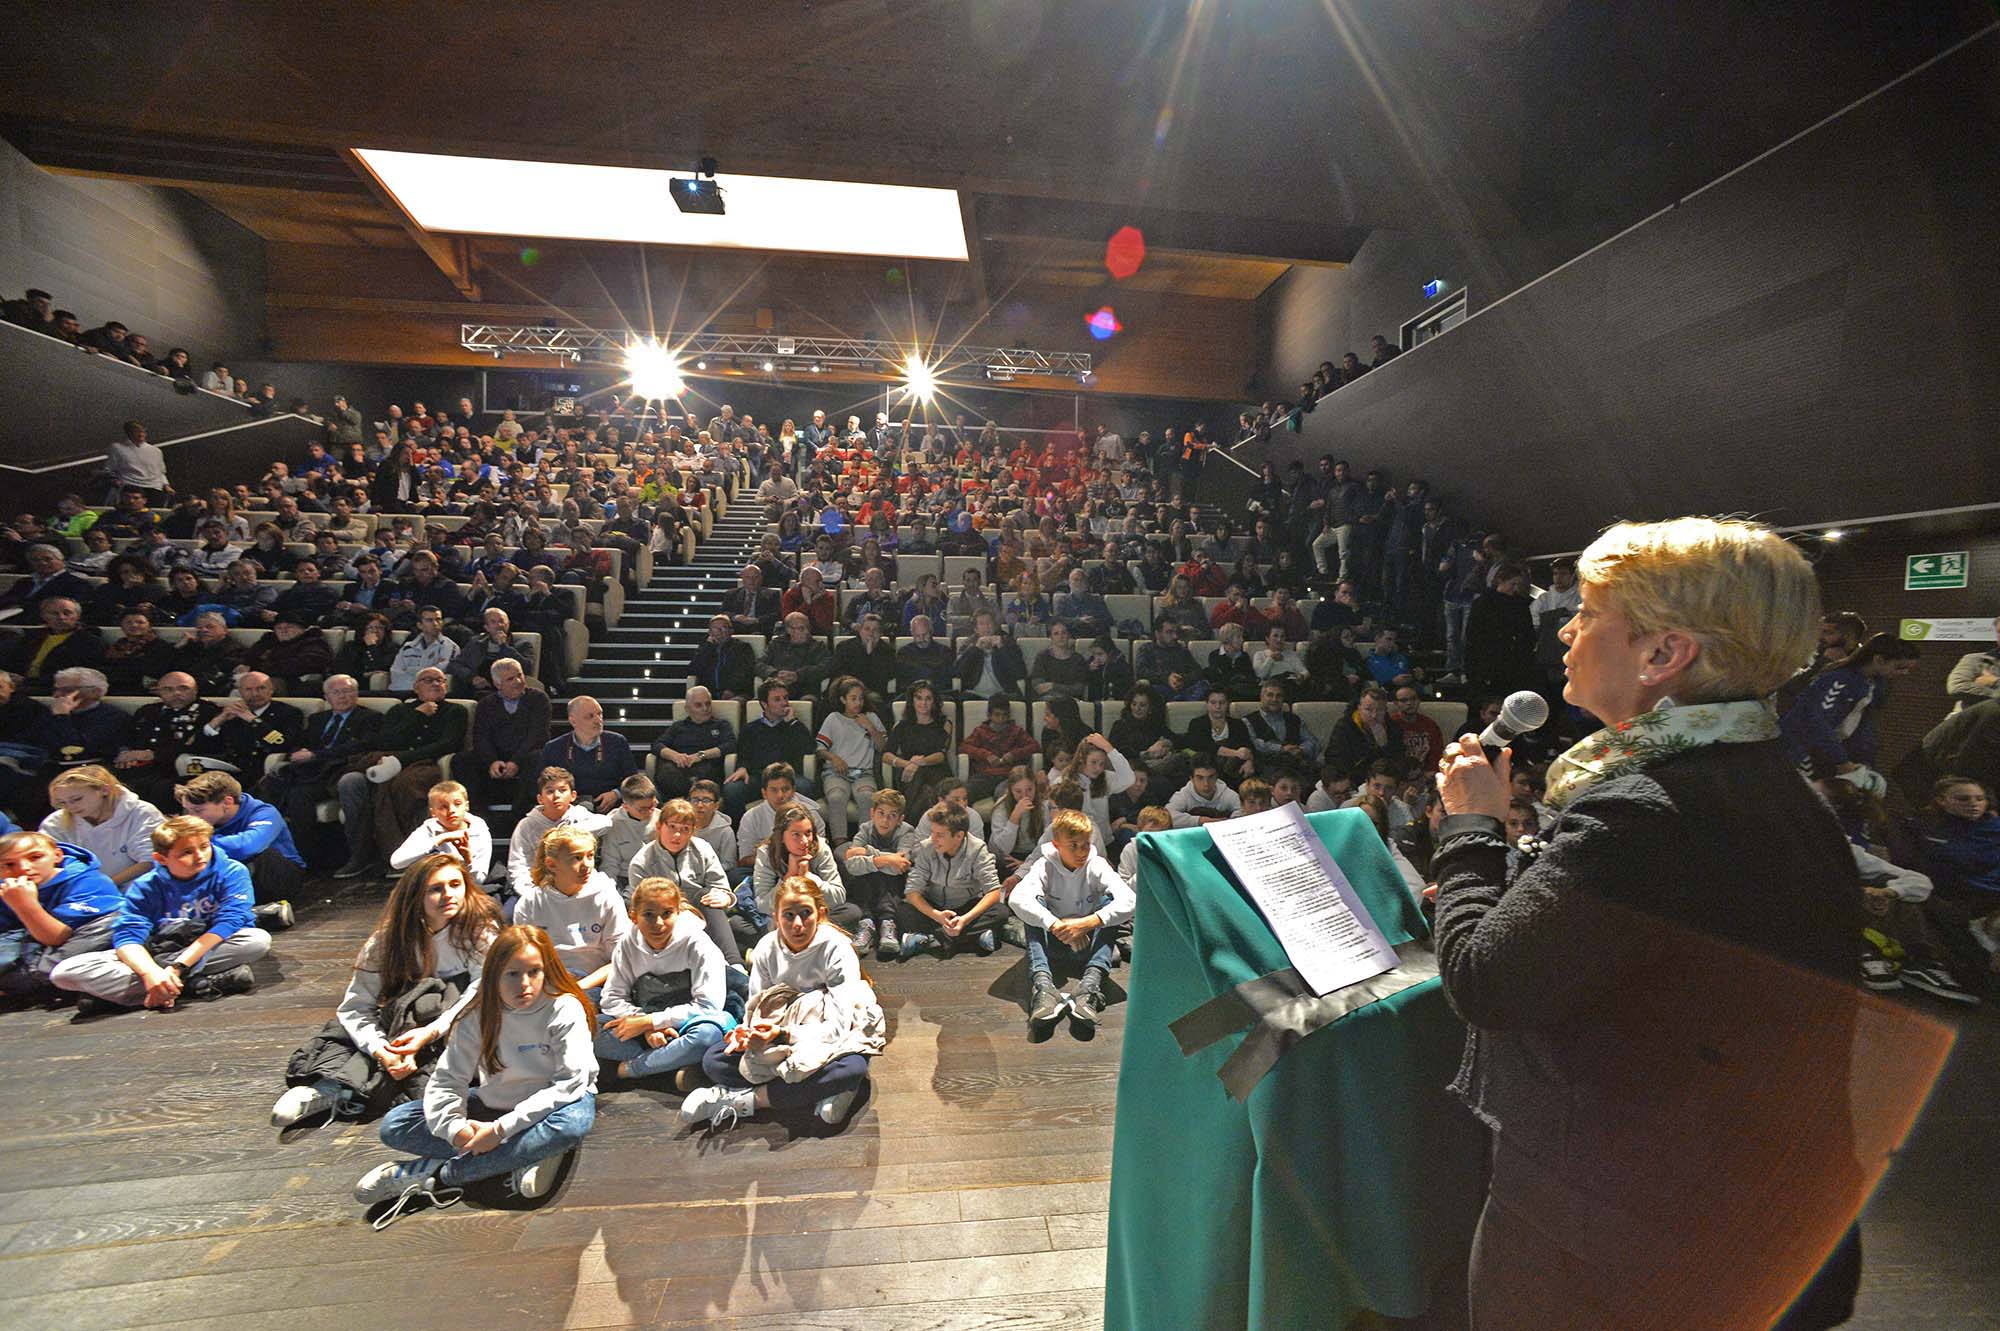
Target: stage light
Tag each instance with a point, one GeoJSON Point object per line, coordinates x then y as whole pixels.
{"type": "Point", "coordinates": [1104, 323]}
{"type": "Point", "coordinates": [655, 377]}
{"type": "Point", "coordinates": [919, 380]}
{"type": "Point", "coordinates": [1434, 288]}
{"type": "Point", "coordinates": [701, 365]}
{"type": "Point", "coordinates": [768, 367]}
{"type": "Point", "coordinates": [814, 367]}
{"type": "Point", "coordinates": [1832, 534]}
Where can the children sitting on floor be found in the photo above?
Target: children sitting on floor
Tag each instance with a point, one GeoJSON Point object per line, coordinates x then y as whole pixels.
{"type": "Point", "coordinates": [951, 898]}
{"type": "Point", "coordinates": [876, 863]}
{"type": "Point", "coordinates": [55, 903]}
{"type": "Point", "coordinates": [576, 904]}
{"type": "Point", "coordinates": [1072, 903]}
{"type": "Point", "coordinates": [418, 970]}
{"type": "Point", "coordinates": [631, 828]}
{"type": "Point", "coordinates": [664, 1000]}
{"type": "Point", "coordinates": [452, 829]}
{"type": "Point", "coordinates": [255, 835]}
{"type": "Point", "coordinates": [796, 847]}
{"type": "Point", "coordinates": [555, 806]}
{"type": "Point", "coordinates": [514, 1092]}
{"type": "Point", "coordinates": [676, 852]}
{"type": "Point", "coordinates": [809, 1029]}
{"type": "Point", "coordinates": [194, 910]}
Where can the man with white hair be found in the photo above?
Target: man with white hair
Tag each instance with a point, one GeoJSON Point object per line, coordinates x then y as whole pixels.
{"type": "Point", "coordinates": [509, 727]}
{"type": "Point", "coordinates": [597, 758]}
{"type": "Point", "coordinates": [248, 728]}
{"type": "Point", "coordinates": [81, 729]}
{"type": "Point", "coordinates": [385, 791]}
{"type": "Point", "coordinates": [326, 743]}
{"type": "Point", "coordinates": [48, 575]}
{"type": "Point", "coordinates": [62, 641]}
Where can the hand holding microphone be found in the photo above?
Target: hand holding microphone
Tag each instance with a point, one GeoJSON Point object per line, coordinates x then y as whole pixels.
{"type": "Point", "coordinates": [1476, 773]}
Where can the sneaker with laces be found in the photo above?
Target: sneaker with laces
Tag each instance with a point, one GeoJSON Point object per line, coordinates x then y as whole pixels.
{"type": "Point", "coordinates": [1879, 973]}
{"type": "Point", "coordinates": [1088, 1001]}
{"type": "Point", "coordinates": [987, 942]}
{"type": "Point", "coordinates": [864, 936]}
{"type": "Point", "coordinates": [235, 980]}
{"type": "Point", "coordinates": [912, 945]}
{"type": "Point", "coordinates": [1938, 983]}
{"type": "Point", "coordinates": [533, 1181]}
{"type": "Point", "coordinates": [720, 1105]}
{"type": "Point", "coordinates": [298, 1104]}
{"type": "Point", "coordinates": [274, 916]}
{"type": "Point", "coordinates": [890, 944]}
{"type": "Point", "coordinates": [393, 1177]}
{"type": "Point", "coordinates": [1045, 1002]}
{"type": "Point", "coordinates": [353, 869]}
{"type": "Point", "coordinates": [833, 1110]}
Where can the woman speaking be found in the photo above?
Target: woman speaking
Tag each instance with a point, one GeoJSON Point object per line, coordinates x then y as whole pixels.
{"type": "Point", "coordinates": [1660, 1000]}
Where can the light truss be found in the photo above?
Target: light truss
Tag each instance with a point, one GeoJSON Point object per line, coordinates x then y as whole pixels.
{"type": "Point", "coordinates": [607, 347]}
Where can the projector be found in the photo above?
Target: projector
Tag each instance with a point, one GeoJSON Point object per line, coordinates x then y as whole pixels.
{"type": "Point", "coordinates": [696, 196]}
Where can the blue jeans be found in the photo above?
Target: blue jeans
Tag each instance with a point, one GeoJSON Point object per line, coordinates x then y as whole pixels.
{"type": "Point", "coordinates": [1098, 950]}
{"type": "Point", "coordinates": [842, 1074]}
{"type": "Point", "coordinates": [404, 1129]}
{"type": "Point", "coordinates": [697, 1034]}
{"type": "Point", "coordinates": [1454, 635]}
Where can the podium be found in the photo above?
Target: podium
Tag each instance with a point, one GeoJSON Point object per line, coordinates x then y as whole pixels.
{"type": "Point", "coordinates": [1345, 1179]}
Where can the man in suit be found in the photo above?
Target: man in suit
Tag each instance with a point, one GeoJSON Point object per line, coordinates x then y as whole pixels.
{"type": "Point", "coordinates": [726, 667]}
{"type": "Point", "coordinates": [322, 750]}
{"type": "Point", "coordinates": [47, 576]}
{"type": "Point", "coordinates": [250, 727]}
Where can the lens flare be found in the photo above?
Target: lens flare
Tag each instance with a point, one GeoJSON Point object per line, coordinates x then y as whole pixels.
{"type": "Point", "coordinates": [655, 376]}
{"type": "Point", "coordinates": [919, 379]}
{"type": "Point", "coordinates": [1125, 252]}
{"type": "Point", "coordinates": [1104, 324]}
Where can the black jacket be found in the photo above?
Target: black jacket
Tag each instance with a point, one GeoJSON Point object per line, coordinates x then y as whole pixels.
{"type": "Point", "coordinates": [1661, 1001]}
{"type": "Point", "coordinates": [1008, 667]}
{"type": "Point", "coordinates": [731, 668]}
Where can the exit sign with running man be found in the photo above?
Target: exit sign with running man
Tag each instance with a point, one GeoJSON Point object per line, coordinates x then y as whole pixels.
{"type": "Point", "coordinates": [1945, 571]}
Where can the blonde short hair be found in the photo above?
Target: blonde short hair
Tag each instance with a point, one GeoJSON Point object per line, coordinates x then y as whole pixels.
{"type": "Point", "coordinates": [565, 837]}
{"type": "Point", "coordinates": [1742, 591]}
{"type": "Point", "coordinates": [1071, 822]}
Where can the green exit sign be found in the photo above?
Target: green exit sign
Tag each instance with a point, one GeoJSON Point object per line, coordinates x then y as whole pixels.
{"type": "Point", "coordinates": [1945, 571]}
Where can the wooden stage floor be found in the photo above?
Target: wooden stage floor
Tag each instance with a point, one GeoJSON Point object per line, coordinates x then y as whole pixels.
{"type": "Point", "coordinates": [143, 1184]}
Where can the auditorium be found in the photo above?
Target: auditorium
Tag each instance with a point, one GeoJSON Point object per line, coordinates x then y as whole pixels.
{"type": "Point", "coordinates": [1153, 665]}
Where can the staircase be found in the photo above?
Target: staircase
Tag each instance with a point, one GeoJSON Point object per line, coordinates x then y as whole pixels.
{"type": "Point", "coordinates": [638, 671]}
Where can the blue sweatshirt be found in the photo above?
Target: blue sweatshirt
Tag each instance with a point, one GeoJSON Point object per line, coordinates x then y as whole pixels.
{"type": "Point", "coordinates": [219, 897]}
{"type": "Point", "coordinates": [1811, 725]}
{"type": "Point", "coordinates": [256, 827]}
{"type": "Point", "coordinates": [1965, 856]}
{"type": "Point", "coordinates": [79, 891]}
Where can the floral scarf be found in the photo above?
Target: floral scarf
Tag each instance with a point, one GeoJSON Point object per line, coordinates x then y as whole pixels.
{"type": "Point", "coordinates": [1652, 736]}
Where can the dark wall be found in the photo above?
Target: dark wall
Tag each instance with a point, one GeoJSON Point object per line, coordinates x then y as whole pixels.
{"type": "Point", "coordinates": [1811, 339]}
{"type": "Point", "coordinates": [157, 260]}
{"type": "Point", "coordinates": [1865, 574]}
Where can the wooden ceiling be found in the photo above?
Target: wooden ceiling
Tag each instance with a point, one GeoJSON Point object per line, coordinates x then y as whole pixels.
{"type": "Point", "coordinates": [1242, 139]}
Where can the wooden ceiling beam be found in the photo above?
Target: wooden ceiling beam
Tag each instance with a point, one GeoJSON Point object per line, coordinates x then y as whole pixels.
{"type": "Point", "coordinates": [451, 254]}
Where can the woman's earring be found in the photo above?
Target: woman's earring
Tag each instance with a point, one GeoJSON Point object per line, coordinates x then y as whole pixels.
{"type": "Point", "coordinates": [1645, 679]}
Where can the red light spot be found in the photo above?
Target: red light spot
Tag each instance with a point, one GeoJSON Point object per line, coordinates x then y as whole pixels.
{"type": "Point", "coordinates": [1124, 252]}
{"type": "Point", "coordinates": [1103, 324]}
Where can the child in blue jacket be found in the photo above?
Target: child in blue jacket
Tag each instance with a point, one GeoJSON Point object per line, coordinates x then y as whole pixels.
{"type": "Point", "coordinates": [55, 903]}
{"type": "Point", "coordinates": [185, 929]}
{"type": "Point", "coordinates": [255, 835]}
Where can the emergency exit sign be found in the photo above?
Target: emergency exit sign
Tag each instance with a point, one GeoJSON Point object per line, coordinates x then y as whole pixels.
{"type": "Point", "coordinates": [1945, 571]}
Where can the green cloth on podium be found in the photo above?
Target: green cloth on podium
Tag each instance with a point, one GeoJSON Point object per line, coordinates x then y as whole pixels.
{"type": "Point", "coordinates": [1347, 1181]}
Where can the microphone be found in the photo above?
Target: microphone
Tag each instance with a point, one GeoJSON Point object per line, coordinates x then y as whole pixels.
{"type": "Point", "coordinates": [1522, 712]}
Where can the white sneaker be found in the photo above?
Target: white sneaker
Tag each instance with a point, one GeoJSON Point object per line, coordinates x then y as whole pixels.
{"type": "Point", "coordinates": [532, 1181]}
{"type": "Point", "coordinates": [710, 1103]}
{"type": "Point", "coordinates": [834, 1109]}
{"type": "Point", "coordinates": [393, 1179]}
{"type": "Point", "coordinates": [298, 1104]}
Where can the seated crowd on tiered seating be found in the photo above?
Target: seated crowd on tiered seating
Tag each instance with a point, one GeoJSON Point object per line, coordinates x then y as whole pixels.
{"type": "Point", "coordinates": [960, 677]}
